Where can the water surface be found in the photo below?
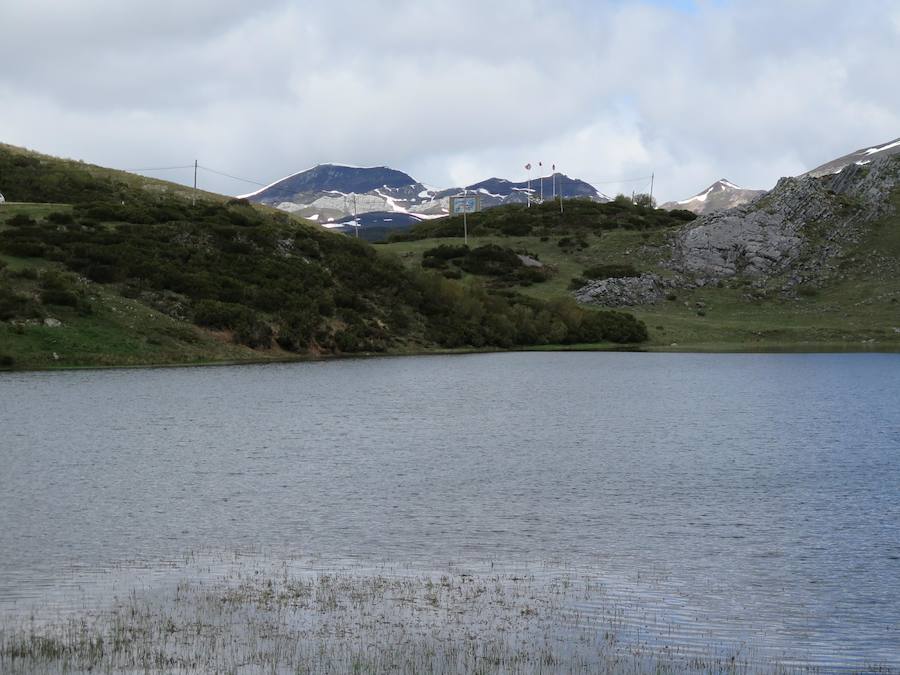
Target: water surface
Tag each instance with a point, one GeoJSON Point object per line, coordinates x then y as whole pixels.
{"type": "Point", "coordinates": [749, 498]}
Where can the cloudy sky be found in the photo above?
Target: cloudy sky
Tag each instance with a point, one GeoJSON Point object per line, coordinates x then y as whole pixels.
{"type": "Point", "coordinates": [454, 91]}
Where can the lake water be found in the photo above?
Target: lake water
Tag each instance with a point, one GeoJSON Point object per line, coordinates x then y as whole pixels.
{"type": "Point", "coordinates": [752, 499]}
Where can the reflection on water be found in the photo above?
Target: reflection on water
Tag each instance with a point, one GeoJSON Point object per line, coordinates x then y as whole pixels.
{"type": "Point", "coordinates": [719, 499]}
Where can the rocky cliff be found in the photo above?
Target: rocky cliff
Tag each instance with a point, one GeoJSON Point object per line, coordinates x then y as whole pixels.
{"type": "Point", "coordinates": [802, 220]}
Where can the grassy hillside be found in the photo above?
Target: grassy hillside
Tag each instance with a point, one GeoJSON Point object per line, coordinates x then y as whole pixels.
{"type": "Point", "coordinates": [579, 217]}
{"type": "Point", "coordinates": [857, 311]}
{"type": "Point", "coordinates": [98, 267]}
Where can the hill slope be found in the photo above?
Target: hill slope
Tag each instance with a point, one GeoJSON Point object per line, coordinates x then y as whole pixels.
{"type": "Point", "coordinates": [859, 157]}
{"type": "Point", "coordinates": [123, 269]}
{"type": "Point", "coordinates": [814, 264]}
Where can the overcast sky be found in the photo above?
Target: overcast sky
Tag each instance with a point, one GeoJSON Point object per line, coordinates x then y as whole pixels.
{"type": "Point", "coordinates": [454, 91]}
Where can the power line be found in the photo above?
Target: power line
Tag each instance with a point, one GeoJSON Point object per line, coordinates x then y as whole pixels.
{"type": "Point", "coordinates": [228, 175]}
{"type": "Point", "coordinates": [198, 166]}
{"type": "Point", "coordinates": [622, 180]}
{"type": "Point", "coordinates": [161, 168]}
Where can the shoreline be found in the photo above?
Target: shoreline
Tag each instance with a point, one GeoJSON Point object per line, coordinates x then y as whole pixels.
{"type": "Point", "coordinates": [694, 348]}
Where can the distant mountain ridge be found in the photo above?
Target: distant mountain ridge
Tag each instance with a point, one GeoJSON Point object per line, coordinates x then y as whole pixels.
{"type": "Point", "coordinates": [335, 194]}
{"type": "Point", "coordinates": [721, 195]}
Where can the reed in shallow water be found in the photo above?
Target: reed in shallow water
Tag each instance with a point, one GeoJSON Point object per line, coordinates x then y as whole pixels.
{"type": "Point", "coordinates": [280, 619]}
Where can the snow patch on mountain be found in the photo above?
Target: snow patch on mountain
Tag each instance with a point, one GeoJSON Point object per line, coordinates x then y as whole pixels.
{"type": "Point", "coordinates": [721, 195]}
{"type": "Point", "coordinates": [887, 146]}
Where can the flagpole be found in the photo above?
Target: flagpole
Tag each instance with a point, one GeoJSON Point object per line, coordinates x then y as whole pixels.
{"type": "Point", "coordinates": [528, 193]}
{"type": "Point", "coordinates": [541, 164]}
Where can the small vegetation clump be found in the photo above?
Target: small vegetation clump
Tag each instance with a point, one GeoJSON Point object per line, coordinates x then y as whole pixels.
{"type": "Point", "coordinates": [597, 272]}
{"type": "Point", "coordinates": [502, 264]}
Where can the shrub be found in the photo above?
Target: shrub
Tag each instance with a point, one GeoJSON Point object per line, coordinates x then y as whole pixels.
{"type": "Point", "coordinates": [222, 315]}
{"type": "Point", "coordinates": [24, 249]}
{"type": "Point", "coordinates": [27, 273]}
{"type": "Point", "coordinates": [103, 274]}
{"type": "Point", "coordinates": [447, 252]}
{"type": "Point", "coordinates": [516, 228]}
{"type": "Point", "coordinates": [610, 272]}
{"type": "Point", "coordinates": [491, 260]}
{"type": "Point", "coordinates": [21, 220]}
{"type": "Point", "coordinates": [6, 361]}
{"type": "Point", "coordinates": [61, 218]}
{"type": "Point", "coordinates": [15, 306]}
{"type": "Point", "coordinates": [59, 297]}
{"type": "Point", "coordinates": [252, 331]}
{"type": "Point", "coordinates": [432, 262]}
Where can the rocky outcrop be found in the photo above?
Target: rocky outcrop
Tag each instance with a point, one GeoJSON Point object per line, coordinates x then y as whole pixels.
{"type": "Point", "coordinates": [800, 218]}
{"type": "Point", "coordinates": [796, 234]}
{"type": "Point", "coordinates": [624, 291]}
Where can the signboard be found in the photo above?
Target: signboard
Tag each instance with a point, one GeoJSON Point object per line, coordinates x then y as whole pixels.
{"type": "Point", "coordinates": [464, 204]}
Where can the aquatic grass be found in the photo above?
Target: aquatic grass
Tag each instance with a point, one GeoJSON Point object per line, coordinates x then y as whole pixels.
{"type": "Point", "coordinates": [282, 618]}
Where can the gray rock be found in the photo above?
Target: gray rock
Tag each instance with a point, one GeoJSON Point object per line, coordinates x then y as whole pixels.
{"type": "Point", "coordinates": [624, 291]}
{"type": "Point", "coordinates": [50, 322]}
{"type": "Point", "coordinates": [802, 219]}
{"type": "Point", "coordinates": [528, 261]}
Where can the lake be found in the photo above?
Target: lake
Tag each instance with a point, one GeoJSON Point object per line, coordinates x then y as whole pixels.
{"type": "Point", "coordinates": [745, 501]}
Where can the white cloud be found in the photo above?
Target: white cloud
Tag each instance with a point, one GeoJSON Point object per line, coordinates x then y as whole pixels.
{"type": "Point", "coordinates": [454, 92]}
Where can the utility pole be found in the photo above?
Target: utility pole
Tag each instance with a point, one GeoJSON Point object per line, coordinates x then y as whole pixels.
{"type": "Point", "coordinates": [194, 198]}
{"type": "Point", "coordinates": [465, 221]}
{"type": "Point", "coordinates": [651, 190]}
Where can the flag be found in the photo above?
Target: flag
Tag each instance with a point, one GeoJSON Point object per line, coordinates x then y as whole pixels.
{"type": "Point", "coordinates": [540, 164]}
{"type": "Point", "coordinates": [528, 166]}
{"type": "Point", "coordinates": [554, 167]}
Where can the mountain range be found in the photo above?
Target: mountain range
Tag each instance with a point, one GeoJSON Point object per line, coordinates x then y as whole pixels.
{"type": "Point", "coordinates": [335, 195]}
{"type": "Point", "coordinates": [723, 194]}
{"type": "Point", "coordinates": [380, 199]}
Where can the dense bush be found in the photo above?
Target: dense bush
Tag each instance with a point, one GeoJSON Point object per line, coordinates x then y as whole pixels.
{"type": "Point", "coordinates": [610, 272]}
{"type": "Point", "coordinates": [581, 216]}
{"type": "Point", "coordinates": [502, 265]}
{"type": "Point", "coordinates": [15, 305]}
{"type": "Point", "coordinates": [60, 218]}
{"type": "Point", "coordinates": [59, 297]}
{"type": "Point", "coordinates": [21, 220]}
{"type": "Point", "coordinates": [491, 260]}
{"type": "Point", "coordinates": [447, 252]}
